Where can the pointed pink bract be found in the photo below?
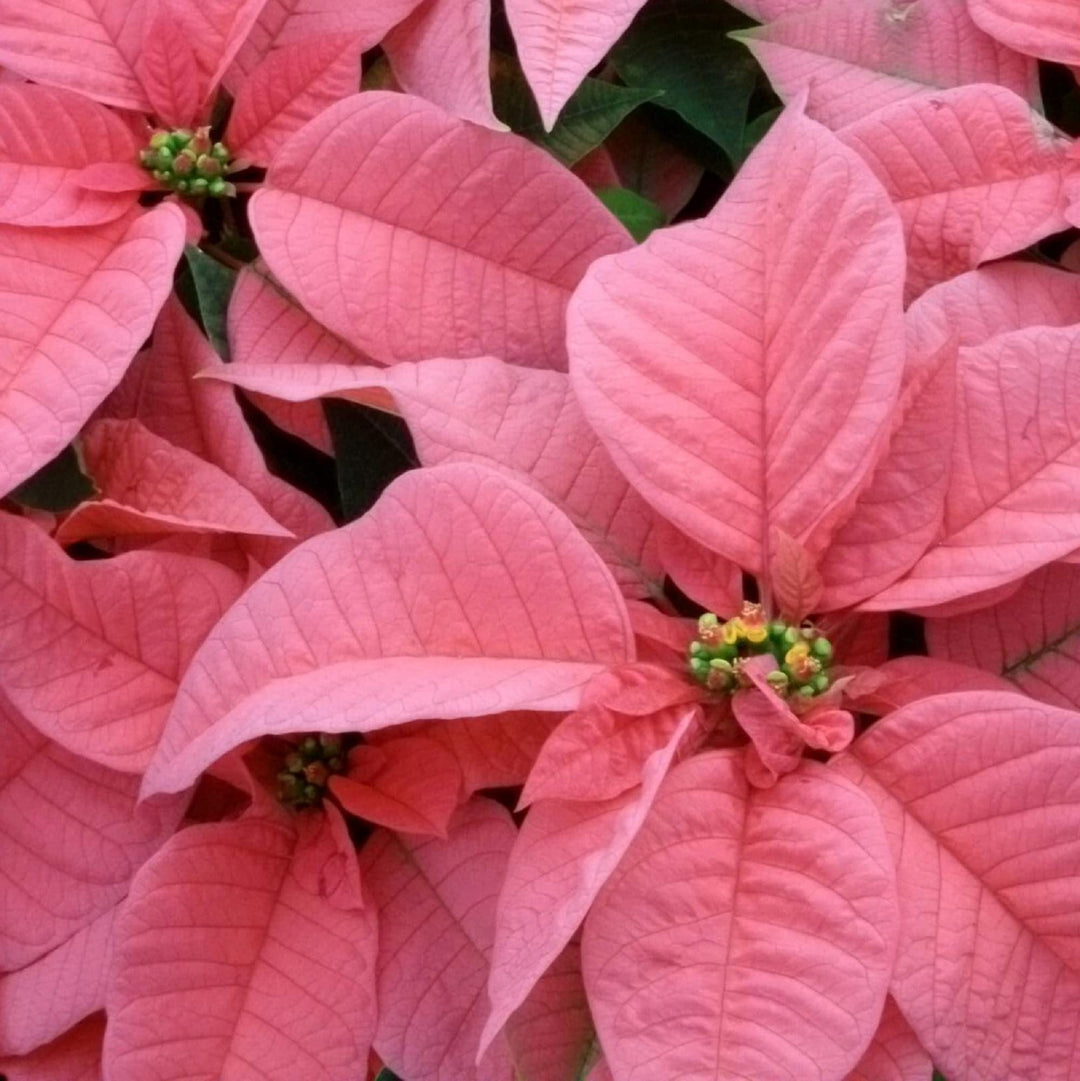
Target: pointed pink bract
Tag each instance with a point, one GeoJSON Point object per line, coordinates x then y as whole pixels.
{"type": "Point", "coordinates": [1045, 28]}
{"type": "Point", "coordinates": [895, 1053]}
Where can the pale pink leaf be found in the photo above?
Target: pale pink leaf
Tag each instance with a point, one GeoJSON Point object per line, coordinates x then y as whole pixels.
{"type": "Point", "coordinates": [903, 680]}
{"type": "Point", "coordinates": [442, 52]}
{"type": "Point", "coordinates": [895, 1053]}
{"type": "Point", "coordinates": [290, 86]}
{"type": "Point", "coordinates": [562, 857]}
{"type": "Point", "coordinates": [961, 606]}
{"type": "Point", "coordinates": [1032, 638]}
{"type": "Point", "coordinates": [410, 784]}
{"type": "Point", "coordinates": [1046, 28]}
{"type": "Point", "coordinates": [461, 592]}
{"type": "Point", "coordinates": [92, 651]}
{"type": "Point", "coordinates": [150, 487]}
{"type": "Point", "coordinates": [741, 368]}
{"type": "Point", "coordinates": [518, 419]}
{"type": "Point", "coordinates": [856, 58]}
{"type": "Point", "coordinates": [230, 963]}
{"type": "Point", "coordinates": [436, 904]}
{"type": "Point", "coordinates": [71, 837]}
{"type": "Point", "coordinates": [76, 305]}
{"type": "Point", "coordinates": [412, 234]}
{"type": "Point", "coordinates": [793, 574]}
{"type": "Point", "coordinates": [705, 577]}
{"type": "Point", "coordinates": [169, 71]}
{"type": "Point", "coordinates": [746, 933]}
{"type": "Point", "coordinates": [559, 42]}
{"type": "Point", "coordinates": [47, 139]}
{"type": "Point", "coordinates": [216, 30]}
{"type": "Point", "coordinates": [980, 797]}
{"type": "Point", "coordinates": [975, 174]}
{"type": "Point", "coordinates": [75, 1056]}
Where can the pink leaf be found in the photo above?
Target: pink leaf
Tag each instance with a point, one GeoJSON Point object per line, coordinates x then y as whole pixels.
{"type": "Point", "coordinates": [410, 785]}
{"type": "Point", "coordinates": [71, 837]}
{"type": "Point", "coordinates": [460, 593]}
{"type": "Point", "coordinates": [707, 578]}
{"type": "Point", "coordinates": [47, 139]}
{"type": "Point", "coordinates": [563, 855]}
{"type": "Point", "coordinates": [1036, 27]}
{"type": "Point", "coordinates": [895, 1053]}
{"type": "Point", "coordinates": [522, 420]}
{"type": "Point", "coordinates": [290, 85]}
{"type": "Point", "coordinates": [89, 46]}
{"type": "Point", "coordinates": [979, 795]}
{"type": "Point", "coordinates": [260, 976]}
{"type": "Point", "coordinates": [1013, 502]}
{"type": "Point", "coordinates": [903, 680]}
{"type": "Point", "coordinates": [76, 305]}
{"type": "Point", "coordinates": [560, 42]}
{"type": "Point", "coordinates": [746, 933]}
{"type": "Point", "coordinates": [442, 52]}
{"type": "Point", "coordinates": [150, 487]}
{"type": "Point", "coordinates": [741, 368]}
{"type": "Point", "coordinates": [75, 1056]}
{"type": "Point", "coordinates": [169, 71]}
{"type": "Point", "coordinates": [436, 902]}
{"type": "Point", "coordinates": [445, 240]}
{"type": "Point", "coordinates": [794, 576]}
{"type": "Point", "coordinates": [1032, 638]}
{"type": "Point", "coordinates": [854, 59]}
{"type": "Point", "coordinates": [92, 652]}
{"type": "Point", "coordinates": [975, 173]}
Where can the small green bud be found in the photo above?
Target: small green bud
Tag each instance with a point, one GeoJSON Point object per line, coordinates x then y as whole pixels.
{"type": "Point", "coordinates": [805, 692]}
{"type": "Point", "coordinates": [778, 680]}
{"type": "Point", "coordinates": [294, 763]}
{"type": "Point", "coordinates": [163, 157]}
{"type": "Point", "coordinates": [221, 152]}
{"type": "Point", "coordinates": [180, 138]}
{"type": "Point", "coordinates": [199, 186]}
{"type": "Point", "coordinates": [697, 649]}
{"type": "Point", "coordinates": [335, 764]}
{"type": "Point", "coordinates": [161, 177]}
{"type": "Point", "coordinates": [309, 747]}
{"type": "Point", "coordinates": [181, 186]}
{"type": "Point", "coordinates": [777, 628]}
{"type": "Point", "coordinates": [184, 163]}
{"type": "Point", "coordinates": [699, 667]}
{"type": "Point", "coordinates": [159, 139]}
{"type": "Point", "coordinates": [820, 683]}
{"type": "Point", "coordinates": [218, 187]}
{"type": "Point", "coordinates": [822, 649]}
{"type": "Point", "coordinates": [311, 793]}
{"type": "Point", "coordinates": [208, 166]}
{"type": "Point", "coordinates": [790, 637]}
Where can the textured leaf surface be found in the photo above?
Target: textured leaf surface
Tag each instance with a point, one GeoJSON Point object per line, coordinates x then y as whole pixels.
{"type": "Point", "coordinates": [168, 70]}
{"type": "Point", "coordinates": [1046, 28]}
{"type": "Point", "coordinates": [92, 652]}
{"type": "Point", "coordinates": [290, 86]}
{"type": "Point", "coordinates": [564, 854]}
{"type": "Point", "coordinates": [460, 593]}
{"type": "Point", "coordinates": [975, 174]}
{"type": "Point", "coordinates": [71, 837]}
{"type": "Point", "coordinates": [895, 1053]}
{"type": "Point", "coordinates": [230, 965]}
{"type": "Point", "coordinates": [75, 1056]}
{"type": "Point", "coordinates": [46, 137]}
{"type": "Point", "coordinates": [980, 797]}
{"type": "Point", "coordinates": [746, 933]}
{"type": "Point", "coordinates": [75, 305]}
{"type": "Point", "coordinates": [1032, 638]}
{"type": "Point", "coordinates": [903, 680]}
{"type": "Point", "coordinates": [856, 58]}
{"type": "Point", "coordinates": [436, 903]}
{"type": "Point", "coordinates": [446, 240]}
{"type": "Point", "coordinates": [741, 368]}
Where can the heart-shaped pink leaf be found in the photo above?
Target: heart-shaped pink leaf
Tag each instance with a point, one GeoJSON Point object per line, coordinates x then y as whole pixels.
{"type": "Point", "coordinates": [461, 592]}
{"type": "Point", "coordinates": [149, 487]}
{"type": "Point", "coordinates": [436, 904]}
{"type": "Point", "coordinates": [746, 932]}
{"type": "Point", "coordinates": [1043, 28]}
{"type": "Point", "coordinates": [564, 854]}
{"type": "Point", "coordinates": [854, 59]}
{"type": "Point", "coordinates": [979, 795]}
{"type": "Point", "coordinates": [263, 976]}
{"type": "Point", "coordinates": [76, 305]}
{"type": "Point", "coordinates": [975, 174]}
{"type": "Point", "coordinates": [286, 89]}
{"type": "Point", "coordinates": [71, 837]}
{"type": "Point", "coordinates": [75, 1056]}
{"type": "Point", "coordinates": [895, 1053]}
{"type": "Point", "coordinates": [412, 234]}
{"type": "Point", "coordinates": [741, 368]}
{"type": "Point", "coordinates": [1032, 638]}
{"type": "Point", "coordinates": [47, 138]}
{"type": "Point", "coordinates": [92, 651]}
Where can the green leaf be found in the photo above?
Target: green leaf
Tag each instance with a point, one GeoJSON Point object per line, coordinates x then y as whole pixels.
{"type": "Point", "coordinates": [371, 448]}
{"type": "Point", "coordinates": [682, 48]}
{"type": "Point", "coordinates": [587, 119]}
{"type": "Point", "coordinates": [386, 1075]}
{"type": "Point", "coordinates": [213, 286]}
{"type": "Point", "coordinates": [756, 130]}
{"type": "Point", "coordinates": [638, 214]}
{"type": "Point", "coordinates": [57, 486]}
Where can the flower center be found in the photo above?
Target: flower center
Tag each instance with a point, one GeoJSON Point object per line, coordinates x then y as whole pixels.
{"type": "Point", "coordinates": [802, 654]}
{"type": "Point", "coordinates": [302, 783]}
{"type": "Point", "coordinates": [188, 162]}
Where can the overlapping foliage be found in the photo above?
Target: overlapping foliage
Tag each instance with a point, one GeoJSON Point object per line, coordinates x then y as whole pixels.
{"type": "Point", "coordinates": [591, 600]}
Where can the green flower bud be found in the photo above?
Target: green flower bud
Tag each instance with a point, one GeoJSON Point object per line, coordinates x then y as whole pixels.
{"type": "Point", "coordinates": [218, 187]}
{"type": "Point", "coordinates": [199, 186]}
{"type": "Point", "coordinates": [208, 166]}
{"type": "Point", "coordinates": [805, 692]}
{"type": "Point", "coordinates": [309, 747]}
{"type": "Point", "coordinates": [184, 163]}
{"type": "Point", "coordinates": [180, 186]}
{"type": "Point", "coordinates": [777, 628]}
{"type": "Point", "coordinates": [822, 649]}
{"type": "Point", "coordinates": [778, 680]}
{"type": "Point", "coordinates": [221, 152]}
{"type": "Point", "coordinates": [159, 139]}
{"type": "Point", "coordinates": [820, 683]}
{"type": "Point", "coordinates": [180, 138]}
{"type": "Point", "coordinates": [163, 157]}
{"type": "Point", "coordinates": [294, 763]}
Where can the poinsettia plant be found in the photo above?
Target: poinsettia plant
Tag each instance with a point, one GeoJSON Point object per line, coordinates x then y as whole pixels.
{"type": "Point", "coordinates": [556, 563]}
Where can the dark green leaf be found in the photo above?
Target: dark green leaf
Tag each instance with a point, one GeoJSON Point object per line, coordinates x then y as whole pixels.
{"type": "Point", "coordinates": [371, 448]}
{"type": "Point", "coordinates": [386, 1075]}
{"type": "Point", "coordinates": [213, 286]}
{"type": "Point", "coordinates": [681, 48]}
{"type": "Point", "coordinates": [57, 486]}
{"type": "Point", "coordinates": [756, 130]}
{"type": "Point", "coordinates": [587, 119]}
{"type": "Point", "coordinates": [638, 214]}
